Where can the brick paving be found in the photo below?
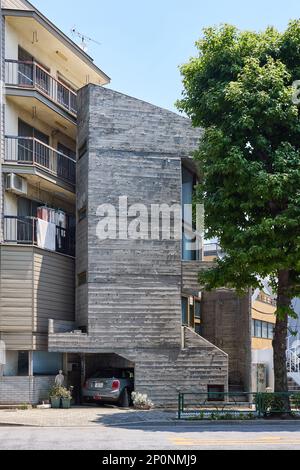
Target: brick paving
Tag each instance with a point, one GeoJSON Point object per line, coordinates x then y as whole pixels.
{"type": "Point", "coordinates": [83, 416]}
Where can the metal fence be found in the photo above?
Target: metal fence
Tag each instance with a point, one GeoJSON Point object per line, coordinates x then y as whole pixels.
{"type": "Point", "coordinates": [23, 231]}
{"type": "Point", "coordinates": [26, 74]}
{"type": "Point", "coordinates": [218, 405]}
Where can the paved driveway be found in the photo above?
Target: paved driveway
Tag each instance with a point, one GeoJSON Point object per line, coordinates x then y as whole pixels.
{"type": "Point", "coordinates": [83, 416]}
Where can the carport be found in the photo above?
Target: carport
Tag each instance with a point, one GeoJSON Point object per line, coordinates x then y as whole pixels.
{"type": "Point", "coordinates": [92, 364]}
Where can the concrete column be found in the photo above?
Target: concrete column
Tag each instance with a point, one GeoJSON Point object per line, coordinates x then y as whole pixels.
{"type": "Point", "coordinates": [30, 363]}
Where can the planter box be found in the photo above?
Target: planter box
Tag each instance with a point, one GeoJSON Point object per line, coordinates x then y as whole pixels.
{"type": "Point", "coordinates": [66, 403]}
{"type": "Point", "coordinates": [55, 402]}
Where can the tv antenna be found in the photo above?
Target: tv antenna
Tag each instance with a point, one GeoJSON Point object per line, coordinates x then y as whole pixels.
{"type": "Point", "coordinates": [85, 40]}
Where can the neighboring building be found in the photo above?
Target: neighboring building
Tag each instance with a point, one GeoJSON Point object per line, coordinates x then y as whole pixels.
{"type": "Point", "coordinates": [263, 322]}
{"type": "Point", "coordinates": [124, 303]}
{"type": "Point", "coordinates": [41, 71]}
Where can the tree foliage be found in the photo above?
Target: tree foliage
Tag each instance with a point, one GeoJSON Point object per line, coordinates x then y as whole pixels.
{"type": "Point", "coordinates": [240, 90]}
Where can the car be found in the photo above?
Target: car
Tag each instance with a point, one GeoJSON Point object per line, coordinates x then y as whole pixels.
{"type": "Point", "coordinates": [109, 386]}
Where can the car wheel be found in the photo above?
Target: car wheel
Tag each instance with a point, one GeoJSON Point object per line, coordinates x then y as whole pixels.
{"type": "Point", "coordinates": [124, 399]}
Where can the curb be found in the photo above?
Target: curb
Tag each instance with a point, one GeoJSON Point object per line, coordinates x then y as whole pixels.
{"type": "Point", "coordinates": [180, 423]}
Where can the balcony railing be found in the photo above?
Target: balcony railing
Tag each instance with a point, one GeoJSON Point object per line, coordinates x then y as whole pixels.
{"type": "Point", "coordinates": [30, 151]}
{"type": "Point", "coordinates": [23, 231]}
{"type": "Point", "coordinates": [32, 75]}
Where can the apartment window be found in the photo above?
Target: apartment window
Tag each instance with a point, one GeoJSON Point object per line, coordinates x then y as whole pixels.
{"type": "Point", "coordinates": [45, 363]}
{"type": "Point", "coordinates": [65, 166]}
{"type": "Point", "coordinates": [17, 364]}
{"type": "Point", "coordinates": [189, 252]}
{"type": "Point", "coordinates": [82, 279]}
{"type": "Point", "coordinates": [23, 363]}
{"type": "Point", "coordinates": [270, 331]}
{"type": "Point", "coordinates": [262, 329]}
{"type": "Point", "coordinates": [185, 311]}
{"type": "Point", "coordinates": [257, 329]}
{"type": "Point", "coordinates": [197, 310]}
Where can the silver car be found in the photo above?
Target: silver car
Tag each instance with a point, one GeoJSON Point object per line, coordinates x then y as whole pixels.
{"type": "Point", "coordinates": [112, 386]}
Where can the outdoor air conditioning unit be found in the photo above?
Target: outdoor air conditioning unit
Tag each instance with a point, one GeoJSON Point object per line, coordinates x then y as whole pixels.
{"type": "Point", "coordinates": [16, 184]}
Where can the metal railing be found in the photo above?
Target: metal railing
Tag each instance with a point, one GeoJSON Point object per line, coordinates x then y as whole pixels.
{"type": "Point", "coordinates": [266, 300]}
{"type": "Point", "coordinates": [235, 405]}
{"type": "Point", "coordinates": [212, 249]}
{"type": "Point", "coordinates": [31, 151]}
{"type": "Point", "coordinates": [207, 404]}
{"type": "Point", "coordinates": [26, 75]}
{"type": "Point", "coordinates": [23, 231]}
{"type": "Point", "coordinates": [293, 362]}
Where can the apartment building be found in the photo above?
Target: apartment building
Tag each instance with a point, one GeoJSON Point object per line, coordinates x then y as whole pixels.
{"type": "Point", "coordinates": [41, 71]}
{"type": "Point", "coordinates": [262, 332]}
{"type": "Point", "coordinates": [69, 300]}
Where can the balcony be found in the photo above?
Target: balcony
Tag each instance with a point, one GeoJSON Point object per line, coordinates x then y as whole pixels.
{"type": "Point", "coordinates": [32, 76]}
{"type": "Point", "coordinates": [33, 152]}
{"type": "Point", "coordinates": [23, 231]}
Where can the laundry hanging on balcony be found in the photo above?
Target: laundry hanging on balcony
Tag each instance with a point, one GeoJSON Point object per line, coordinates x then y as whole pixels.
{"type": "Point", "coordinates": [46, 235]}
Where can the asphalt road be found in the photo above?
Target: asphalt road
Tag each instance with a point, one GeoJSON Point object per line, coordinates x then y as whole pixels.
{"type": "Point", "coordinates": [285, 436]}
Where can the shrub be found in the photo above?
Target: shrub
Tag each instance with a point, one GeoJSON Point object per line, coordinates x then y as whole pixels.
{"type": "Point", "coordinates": [141, 401]}
{"type": "Point", "coordinates": [60, 392]}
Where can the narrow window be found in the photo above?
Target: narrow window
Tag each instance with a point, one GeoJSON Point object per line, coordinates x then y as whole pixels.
{"type": "Point", "coordinates": [185, 311]}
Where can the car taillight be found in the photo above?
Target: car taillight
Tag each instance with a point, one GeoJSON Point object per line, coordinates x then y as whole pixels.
{"type": "Point", "coordinates": [116, 385]}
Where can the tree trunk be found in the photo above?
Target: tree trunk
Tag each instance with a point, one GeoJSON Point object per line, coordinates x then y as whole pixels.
{"type": "Point", "coordinates": [280, 338]}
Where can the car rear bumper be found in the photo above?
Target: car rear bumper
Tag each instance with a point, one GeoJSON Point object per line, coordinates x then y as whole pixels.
{"type": "Point", "coordinates": [97, 396]}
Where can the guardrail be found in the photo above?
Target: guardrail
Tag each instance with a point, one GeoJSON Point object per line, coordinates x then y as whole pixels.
{"type": "Point", "coordinates": [23, 231]}
{"type": "Point", "coordinates": [25, 74]}
{"type": "Point", "coordinates": [212, 405]}
{"type": "Point", "coordinates": [31, 151]}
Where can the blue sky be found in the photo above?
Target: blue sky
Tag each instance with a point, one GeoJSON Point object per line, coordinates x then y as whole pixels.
{"type": "Point", "coordinates": [144, 41]}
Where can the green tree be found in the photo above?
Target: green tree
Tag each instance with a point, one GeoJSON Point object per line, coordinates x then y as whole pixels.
{"type": "Point", "coordinates": [240, 90]}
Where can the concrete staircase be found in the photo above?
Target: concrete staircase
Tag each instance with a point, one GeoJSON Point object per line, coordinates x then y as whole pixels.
{"type": "Point", "coordinates": [294, 382]}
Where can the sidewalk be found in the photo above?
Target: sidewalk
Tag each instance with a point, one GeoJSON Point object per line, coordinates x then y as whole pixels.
{"type": "Point", "coordinates": [84, 417]}
{"type": "Point", "coordinates": [80, 417]}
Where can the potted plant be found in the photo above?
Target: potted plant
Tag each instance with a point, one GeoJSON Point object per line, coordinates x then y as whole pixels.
{"type": "Point", "coordinates": [60, 397]}
{"type": "Point", "coordinates": [141, 401]}
{"type": "Point", "coordinates": [55, 397]}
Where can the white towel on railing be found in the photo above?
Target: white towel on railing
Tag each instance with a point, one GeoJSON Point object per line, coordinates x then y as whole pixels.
{"type": "Point", "coordinates": [46, 235]}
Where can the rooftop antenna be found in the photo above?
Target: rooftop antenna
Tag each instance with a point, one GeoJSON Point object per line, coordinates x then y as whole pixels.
{"type": "Point", "coordinates": [84, 39]}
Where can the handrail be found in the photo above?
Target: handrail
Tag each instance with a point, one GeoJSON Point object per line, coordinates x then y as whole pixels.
{"type": "Point", "coordinates": [23, 230]}
{"type": "Point", "coordinates": [29, 150]}
{"type": "Point", "coordinates": [42, 143]}
{"type": "Point", "coordinates": [51, 87]}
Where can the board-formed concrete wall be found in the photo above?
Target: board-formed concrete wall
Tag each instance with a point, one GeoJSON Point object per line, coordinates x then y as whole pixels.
{"type": "Point", "coordinates": [131, 304]}
{"type": "Point", "coordinates": [226, 322]}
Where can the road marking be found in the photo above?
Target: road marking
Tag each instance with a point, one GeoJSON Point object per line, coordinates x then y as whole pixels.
{"type": "Point", "coordinates": [192, 442]}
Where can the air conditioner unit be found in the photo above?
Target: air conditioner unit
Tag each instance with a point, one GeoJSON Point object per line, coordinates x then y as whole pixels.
{"type": "Point", "coordinates": [16, 184]}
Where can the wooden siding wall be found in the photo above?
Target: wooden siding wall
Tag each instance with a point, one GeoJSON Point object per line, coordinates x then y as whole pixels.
{"type": "Point", "coordinates": [35, 285]}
